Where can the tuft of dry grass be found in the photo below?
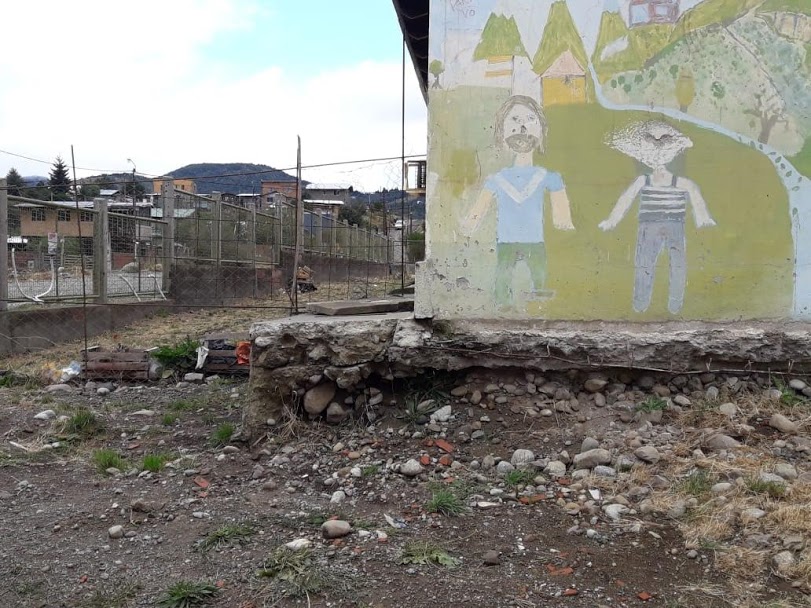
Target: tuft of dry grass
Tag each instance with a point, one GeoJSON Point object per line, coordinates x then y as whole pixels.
{"type": "Point", "coordinates": [742, 563]}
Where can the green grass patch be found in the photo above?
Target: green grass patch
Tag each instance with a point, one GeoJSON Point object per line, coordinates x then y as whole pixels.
{"type": "Point", "coordinates": [772, 489]}
{"type": "Point", "coordinates": [222, 434]}
{"type": "Point", "coordinates": [445, 502]}
{"type": "Point", "coordinates": [698, 483]}
{"type": "Point", "coordinates": [425, 553]}
{"type": "Point", "coordinates": [169, 419]}
{"type": "Point", "coordinates": [652, 404]}
{"type": "Point", "coordinates": [296, 574]}
{"type": "Point", "coordinates": [226, 536]}
{"type": "Point", "coordinates": [154, 463]}
{"type": "Point", "coordinates": [120, 597]}
{"type": "Point", "coordinates": [108, 459]}
{"type": "Point", "coordinates": [370, 471]}
{"type": "Point", "coordinates": [180, 356]}
{"type": "Point", "coordinates": [188, 594]}
{"type": "Point", "coordinates": [519, 477]}
{"type": "Point", "coordinates": [83, 424]}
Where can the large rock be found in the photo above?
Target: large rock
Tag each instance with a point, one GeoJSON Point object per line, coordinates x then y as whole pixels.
{"type": "Point", "coordinates": [592, 458]}
{"type": "Point", "coordinates": [335, 528]}
{"type": "Point", "coordinates": [336, 413]}
{"type": "Point", "coordinates": [317, 399]}
{"type": "Point", "coordinates": [719, 441]}
{"type": "Point", "coordinates": [522, 458]}
{"type": "Point", "coordinates": [648, 454]}
{"type": "Point", "coordinates": [783, 424]}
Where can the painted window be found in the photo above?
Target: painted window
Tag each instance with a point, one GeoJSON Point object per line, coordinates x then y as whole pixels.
{"type": "Point", "coordinates": [37, 215]}
{"type": "Point", "coordinates": [63, 215]}
{"type": "Point", "coordinates": [639, 14]}
{"type": "Point", "coordinates": [662, 10]}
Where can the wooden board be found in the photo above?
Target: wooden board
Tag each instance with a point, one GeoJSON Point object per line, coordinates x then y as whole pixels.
{"type": "Point", "coordinates": [125, 365]}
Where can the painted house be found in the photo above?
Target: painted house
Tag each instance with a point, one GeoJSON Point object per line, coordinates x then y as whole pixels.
{"type": "Point", "coordinates": [647, 12]}
{"type": "Point", "coordinates": [564, 82]}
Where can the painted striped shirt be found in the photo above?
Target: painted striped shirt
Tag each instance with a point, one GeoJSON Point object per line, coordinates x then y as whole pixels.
{"type": "Point", "coordinates": [662, 203]}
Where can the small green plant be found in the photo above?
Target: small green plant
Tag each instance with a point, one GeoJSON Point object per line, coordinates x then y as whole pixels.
{"type": "Point", "coordinates": [154, 462]}
{"type": "Point", "coordinates": [424, 553]}
{"type": "Point", "coordinates": [519, 477]}
{"type": "Point", "coordinates": [698, 483]}
{"type": "Point", "coordinates": [108, 459]}
{"type": "Point", "coordinates": [169, 419]}
{"type": "Point", "coordinates": [222, 434]}
{"type": "Point", "coordinates": [183, 405]}
{"type": "Point", "coordinates": [652, 404]}
{"type": "Point", "coordinates": [116, 598]}
{"type": "Point", "coordinates": [445, 502]}
{"type": "Point", "coordinates": [788, 396]}
{"type": "Point", "coordinates": [227, 535]}
{"type": "Point", "coordinates": [295, 572]}
{"type": "Point", "coordinates": [83, 423]}
{"type": "Point", "coordinates": [188, 594]}
{"type": "Point", "coordinates": [180, 356]}
{"type": "Point", "coordinates": [370, 471]}
{"type": "Point", "coordinates": [772, 489]}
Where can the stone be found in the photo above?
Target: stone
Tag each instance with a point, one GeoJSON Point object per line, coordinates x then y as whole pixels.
{"type": "Point", "coordinates": [116, 532]}
{"type": "Point", "coordinates": [783, 424]}
{"type": "Point", "coordinates": [592, 458]}
{"type": "Point", "coordinates": [194, 377]}
{"type": "Point", "coordinates": [102, 391]}
{"type": "Point", "coordinates": [798, 385]}
{"type": "Point", "coordinates": [712, 393]}
{"type": "Point", "coordinates": [476, 398]}
{"type": "Point", "coordinates": [144, 413]}
{"type": "Point", "coordinates": [338, 497]}
{"type": "Point", "coordinates": [459, 391]}
{"type": "Point", "coordinates": [604, 471]}
{"type": "Point", "coordinates": [728, 409]}
{"type": "Point", "coordinates": [555, 469]}
{"type": "Point", "coordinates": [721, 488]}
{"type": "Point", "coordinates": [615, 512]}
{"type": "Point", "coordinates": [318, 398]}
{"type": "Point", "coordinates": [443, 414]}
{"type": "Point", "coordinates": [589, 443]}
{"type": "Point", "coordinates": [648, 454]}
{"type": "Point", "coordinates": [412, 468]}
{"type": "Point", "coordinates": [751, 515]}
{"type": "Point", "coordinates": [59, 388]}
{"type": "Point", "coordinates": [677, 510]}
{"type": "Point", "coordinates": [503, 468]}
{"type": "Point", "coordinates": [335, 528]}
{"type": "Point", "coordinates": [784, 562]}
{"type": "Point", "coordinates": [719, 441]}
{"type": "Point", "coordinates": [521, 458]}
{"type": "Point", "coordinates": [771, 478]}
{"type": "Point", "coordinates": [595, 385]}
{"type": "Point", "coordinates": [786, 471]}
{"type": "Point", "coordinates": [336, 413]}
{"type": "Point", "coordinates": [299, 544]}
{"type": "Point", "coordinates": [682, 401]}
{"type": "Point", "coordinates": [492, 558]}
{"type": "Point", "coordinates": [45, 415]}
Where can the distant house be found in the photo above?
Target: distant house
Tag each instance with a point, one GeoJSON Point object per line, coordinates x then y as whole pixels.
{"type": "Point", "coordinates": [287, 187]}
{"type": "Point", "coordinates": [564, 82]}
{"type": "Point", "coordinates": [109, 193]}
{"type": "Point", "coordinates": [329, 192]}
{"type": "Point", "coordinates": [647, 12]}
{"type": "Point", "coordinates": [59, 217]}
{"type": "Point", "coordinates": [186, 185]}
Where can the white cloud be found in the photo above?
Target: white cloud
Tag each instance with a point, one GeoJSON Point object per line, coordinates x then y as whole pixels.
{"type": "Point", "coordinates": [133, 83]}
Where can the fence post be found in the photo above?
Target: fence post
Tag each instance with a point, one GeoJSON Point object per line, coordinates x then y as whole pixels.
{"type": "Point", "coordinates": [318, 231]}
{"type": "Point", "coordinates": [168, 196]}
{"type": "Point", "coordinates": [101, 243]}
{"type": "Point", "coordinates": [4, 248]}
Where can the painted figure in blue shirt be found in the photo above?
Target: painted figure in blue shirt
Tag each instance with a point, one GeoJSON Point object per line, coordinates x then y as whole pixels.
{"type": "Point", "coordinates": [518, 194]}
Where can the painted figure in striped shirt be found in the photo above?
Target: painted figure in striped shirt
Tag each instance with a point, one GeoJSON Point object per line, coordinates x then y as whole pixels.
{"type": "Point", "coordinates": [663, 201]}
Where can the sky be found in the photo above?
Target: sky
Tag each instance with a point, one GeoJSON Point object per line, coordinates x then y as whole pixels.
{"type": "Point", "coordinates": [167, 84]}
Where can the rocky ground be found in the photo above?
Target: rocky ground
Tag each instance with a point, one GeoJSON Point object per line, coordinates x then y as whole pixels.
{"type": "Point", "coordinates": [487, 489]}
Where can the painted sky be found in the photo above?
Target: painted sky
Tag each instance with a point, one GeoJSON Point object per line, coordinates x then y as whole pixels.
{"type": "Point", "coordinates": [172, 83]}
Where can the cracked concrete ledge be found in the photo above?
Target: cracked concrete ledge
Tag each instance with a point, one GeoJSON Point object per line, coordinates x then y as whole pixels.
{"type": "Point", "coordinates": [291, 356]}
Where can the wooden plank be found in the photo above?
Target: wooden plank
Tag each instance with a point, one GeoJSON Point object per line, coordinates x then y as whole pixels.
{"type": "Point", "coordinates": [116, 365]}
{"type": "Point", "coordinates": [128, 356]}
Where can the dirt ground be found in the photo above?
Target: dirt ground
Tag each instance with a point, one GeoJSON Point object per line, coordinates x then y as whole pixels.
{"type": "Point", "coordinates": [187, 500]}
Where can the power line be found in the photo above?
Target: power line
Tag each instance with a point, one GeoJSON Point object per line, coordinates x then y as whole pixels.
{"type": "Point", "coordinates": [49, 162]}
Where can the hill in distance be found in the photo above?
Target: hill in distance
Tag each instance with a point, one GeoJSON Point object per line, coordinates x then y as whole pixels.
{"type": "Point", "coordinates": [237, 178]}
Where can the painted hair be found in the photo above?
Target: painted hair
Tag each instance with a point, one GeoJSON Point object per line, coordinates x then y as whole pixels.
{"type": "Point", "coordinates": [527, 102]}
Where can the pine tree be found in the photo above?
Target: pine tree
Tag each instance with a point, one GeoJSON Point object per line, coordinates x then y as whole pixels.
{"type": "Point", "coordinates": [59, 180]}
{"type": "Point", "coordinates": [15, 182]}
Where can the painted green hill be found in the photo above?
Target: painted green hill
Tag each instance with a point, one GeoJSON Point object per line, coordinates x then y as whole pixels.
{"type": "Point", "coordinates": [710, 12]}
{"type": "Point", "coordinates": [559, 35]}
{"type": "Point", "coordinates": [500, 38]}
{"type": "Point", "coordinates": [644, 43]}
{"type": "Point", "coordinates": [802, 7]}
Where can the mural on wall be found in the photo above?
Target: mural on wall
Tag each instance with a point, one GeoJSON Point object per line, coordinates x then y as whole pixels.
{"type": "Point", "coordinates": [543, 112]}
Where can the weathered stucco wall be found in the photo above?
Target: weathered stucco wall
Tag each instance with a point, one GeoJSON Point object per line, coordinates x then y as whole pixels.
{"type": "Point", "coordinates": [587, 164]}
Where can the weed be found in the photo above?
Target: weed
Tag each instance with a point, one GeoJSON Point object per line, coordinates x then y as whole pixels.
{"type": "Point", "coordinates": [519, 477]}
{"type": "Point", "coordinates": [227, 535]}
{"type": "Point", "coordinates": [652, 404]}
{"type": "Point", "coordinates": [108, 459]}
{"type": "Point", "coordinates": [119, 598]}
{"type": "Point", "coordinates": [180, 356]}
{"type": "Point", "coordinates": [208, 418]}
{"type": "Point", "coordinates": [183, 405]}
{"type": "Point", "coordinates": [363, 524]}
{"type": "Point", "coordinates": [154, 462]}
{"type": "Point", "coordinates": [424, 553]}
{"type": "Point", "coordinates": [370, 471]}
{"type": "Point", "coordinates": [169, 419]}
{"type": "Point", "coordinates": [187, 594]}
{"type": "Point", "coordinates": [698, 483]}
{"type": "Point", "coordinates": [83, 423]}
{"type": "Point", "coordinates": [295, 572]}
{"type": "Point", "coordinates": [788, 396]}
{"type": "Point", "coordinates": [222, 434]}
{"type": "Point", "coordinates": [772, 489]}
{"type": "Point", "coordinates": [445, 502]}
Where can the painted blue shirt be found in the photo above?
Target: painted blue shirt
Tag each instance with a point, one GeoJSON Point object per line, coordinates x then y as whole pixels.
{"type": "Point", "coordinates": [520, 194]}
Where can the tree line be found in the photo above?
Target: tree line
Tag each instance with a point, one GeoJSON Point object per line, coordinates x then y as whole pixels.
{"type": "Point", "coordinates": [58, 187]}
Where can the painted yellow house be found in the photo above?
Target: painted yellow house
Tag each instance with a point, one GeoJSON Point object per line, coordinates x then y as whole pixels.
{"type": "Point", "coordinates": [564, 82]}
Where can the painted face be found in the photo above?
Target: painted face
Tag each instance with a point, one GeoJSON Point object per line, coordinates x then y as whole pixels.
{"type": "Point", "coordinates": [522, 129]}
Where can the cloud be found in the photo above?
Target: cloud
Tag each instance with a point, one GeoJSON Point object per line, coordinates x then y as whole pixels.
{"type": "Point", "coordinates": [137, 83]}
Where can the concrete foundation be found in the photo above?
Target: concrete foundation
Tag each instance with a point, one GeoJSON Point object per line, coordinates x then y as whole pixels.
{"type": "Point", "coordinates": [293, 356]}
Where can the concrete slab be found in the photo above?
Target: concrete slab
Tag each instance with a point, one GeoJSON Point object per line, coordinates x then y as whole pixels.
{"type": "Point", "coordinates": [361, 307]}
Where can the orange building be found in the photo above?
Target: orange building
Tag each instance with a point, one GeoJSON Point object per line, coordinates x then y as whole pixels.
{"type": "Point", "coordinates": [187, 185]}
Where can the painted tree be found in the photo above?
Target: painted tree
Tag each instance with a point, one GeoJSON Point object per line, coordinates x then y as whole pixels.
{"type": "Point", "coordinates": [59, 180]}
{"type": "Point", "coordinates": [685, 89]}
{"type": "Point", "coordinates": [14, 182]}
{"type": "Point", "coordinates": [769, 110]}
{"type": "Point", "coordinates": [437, 68]}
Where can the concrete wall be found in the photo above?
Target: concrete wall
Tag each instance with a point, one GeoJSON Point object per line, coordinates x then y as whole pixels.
{"type": "Point", "coordinates": [673, 184]}
{"type": "Point", "coordinates": [201, 284]}
{"type": "Point", "coordinates": [27, 330]}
